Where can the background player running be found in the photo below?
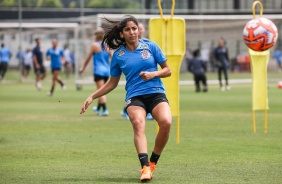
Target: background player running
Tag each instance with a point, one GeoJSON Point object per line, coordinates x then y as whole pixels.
{"type": "Point", "coordinates": [101, 69]}
{"type": "Point", "coordinates": [38, 65]}
{"type": "Point", "coordinates": [56, 55]}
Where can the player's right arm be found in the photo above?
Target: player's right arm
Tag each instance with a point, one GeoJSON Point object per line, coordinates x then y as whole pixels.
{"type": "Point", "coordinates": [93, 49]}
{"type": "Point", "coordinates": [105, 89]}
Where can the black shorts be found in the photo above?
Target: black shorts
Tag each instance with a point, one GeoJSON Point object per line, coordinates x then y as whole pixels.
{"type": "Point", "coordinates": [99, 77]}
{"type": "Point", "coordinates": [27, 67]}
{"type": "Point", "coordinates": [41, 69]}
{"type": "Point", "coordinates": [55, 69]}
{"type": "Point", "coordinates": [147, 102]}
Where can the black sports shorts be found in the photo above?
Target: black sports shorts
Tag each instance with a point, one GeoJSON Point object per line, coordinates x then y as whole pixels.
{"type": "Point", "coordinates": [99, 77]}
{"type": "Point", "coordinates": [41, 69]}
{"type": "Point", "coordinates": [148, 102]}
{"type": "Point", "coordinates": [55, 69]}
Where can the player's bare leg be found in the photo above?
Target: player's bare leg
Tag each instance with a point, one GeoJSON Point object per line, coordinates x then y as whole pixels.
{"type": "Point", "coordinates": [137, 116]}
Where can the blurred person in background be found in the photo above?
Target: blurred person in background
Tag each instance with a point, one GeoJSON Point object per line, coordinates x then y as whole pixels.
{"type": "Point", "coordinates": [67, 63]}
{"type": "Point", "coordinates": [73, 61]}
{"type": "Point", "coordinates": [198, 67]}
{"type": "Point", "coordinates": [5, 56]}
{"type": "Point", "coordinates": [101, 69]}
{"type": "Point", "coordinates": [27, 62]}
{"type": "Point", "coordinates": [38, 65]}
{"type": "Point", "coordinates": [20, 56]}
{"type": "Point", "coordinates": [222, 63]}
{"type": "Point", "coordinates": [56, 55]}
{"type": "Point", "coordinates": [277, 55]}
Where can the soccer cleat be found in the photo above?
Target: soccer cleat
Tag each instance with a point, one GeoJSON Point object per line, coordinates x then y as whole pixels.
{"type": "Point", "coordinates": [124, 114]}
{"type": "Point", "coordinates": [222, 88]}
{"type": "Point", "coordinates": [64, 87]}
{"type": "Point", "coordinates": [146, 174]}
{"type": "Point", "coordinates": [96, 110]}
{"type": "Point", "coordinates": [104, 113]}
{"type": "Point", "coordinates": [152, 168]}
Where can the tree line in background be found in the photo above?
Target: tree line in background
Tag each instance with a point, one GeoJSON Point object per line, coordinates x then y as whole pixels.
{"type": "Point", "coordinates": [73, 3]}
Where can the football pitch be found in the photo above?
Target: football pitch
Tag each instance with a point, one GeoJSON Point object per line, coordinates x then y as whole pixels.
{"type": "Point", "coordinates": [45, 139]}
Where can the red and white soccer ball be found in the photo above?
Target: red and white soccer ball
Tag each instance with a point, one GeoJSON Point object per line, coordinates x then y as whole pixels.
{"type": "Point", "coordinates": [260, 34]}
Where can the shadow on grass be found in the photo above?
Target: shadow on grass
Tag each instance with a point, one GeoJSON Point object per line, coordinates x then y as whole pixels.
{"type": "Point", "coordinates": [94, 180]}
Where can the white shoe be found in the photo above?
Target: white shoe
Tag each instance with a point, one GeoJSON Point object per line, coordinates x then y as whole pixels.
{"type": "Point", "coordinates": [222, 88]}
{"type": "Point", "coordinates": [49, 93]}
{"type": "Point", "coordinates": [64, 87]}
{"type": "Point", "coordinates": [39, 86]}
{"type": "Point", "coordinates": [228, 88]}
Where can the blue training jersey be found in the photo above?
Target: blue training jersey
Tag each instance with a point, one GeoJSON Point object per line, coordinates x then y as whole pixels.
{"type": "Point", "coordinates": [5, 54]}
{"type": "Point", "coordinates": [101, 64]}
{"type": "Point", "coordinates": [55, 56]}
{"type": "Point", "coordinates": [277, 55]}
{"type": "Point", "coordinates": [145, 58]}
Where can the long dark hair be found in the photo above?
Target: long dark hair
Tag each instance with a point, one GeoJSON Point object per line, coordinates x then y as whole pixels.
{"type": "Point", "coordinates": [112, 38]}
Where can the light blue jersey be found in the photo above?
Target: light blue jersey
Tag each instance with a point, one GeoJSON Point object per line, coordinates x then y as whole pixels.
{"type": "Point", "coordinates": [145, 58]}
{"type": "Point", "coordinates": [278, 56]}
{"type": "Point", "coordinates": [101, 64]}
{"type": "Point", "coordinates": [55, 56]}
{"type": "Point", "coordinates": [5, 55]}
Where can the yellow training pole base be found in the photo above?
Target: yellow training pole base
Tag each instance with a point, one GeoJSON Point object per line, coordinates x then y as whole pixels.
{"type": "Point", "coordinates": [254, 121]}
{"type": "Point", "coordinates": [177, 130]}
{"type": "Point", "coordinates": [265, 121]}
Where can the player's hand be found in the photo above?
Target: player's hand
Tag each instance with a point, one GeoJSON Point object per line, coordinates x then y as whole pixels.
{"type": "Point", "coordinates": [37, 67]}
{"type": "Point", "coordinates": [81, 70]}
{"type": "Point", "coordinates": [147, 75]}
{"type": "Point", "coordinates": [85, 105]}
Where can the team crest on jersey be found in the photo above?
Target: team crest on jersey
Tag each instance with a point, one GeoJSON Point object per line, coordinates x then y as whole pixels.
{"type": "Point", "coordinates": [120, 53]}
{"type": "Point", "coordinates": [144, 46]}
{"type": "Point", "coordinates": [145, 54]}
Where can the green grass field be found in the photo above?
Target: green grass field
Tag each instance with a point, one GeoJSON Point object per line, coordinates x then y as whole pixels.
{"type": "Point", "coordinates": [45, 139]}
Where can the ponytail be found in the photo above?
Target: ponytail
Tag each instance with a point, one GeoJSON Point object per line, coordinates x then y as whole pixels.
{"type": "Point", "coordinates": [112, 37]}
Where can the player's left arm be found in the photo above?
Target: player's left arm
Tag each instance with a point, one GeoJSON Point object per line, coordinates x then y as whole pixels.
{"type": "Point", "coordinates": [164, 72]}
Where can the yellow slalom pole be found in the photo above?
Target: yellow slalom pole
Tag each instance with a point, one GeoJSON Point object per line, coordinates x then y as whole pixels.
{"type": "Point", "coordinates": [265, 121]}
{"type": "Point", "coordinates": [157, 128]}
{"type": "Point", "coordinates": [254, 121]}
{"type": "Point", "coordinates": [178, 130]}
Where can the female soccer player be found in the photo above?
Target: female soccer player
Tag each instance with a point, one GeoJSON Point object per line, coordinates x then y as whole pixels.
{"type": "Point", "coordinates": [56, 55]}
{"type": "Point", "coordinates": [101, 69]}
{"type": "Point", "coordinates": [138, 60]}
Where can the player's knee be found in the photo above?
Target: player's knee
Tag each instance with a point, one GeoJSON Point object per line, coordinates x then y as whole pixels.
{"type": "Point", "coordinates": [165, 125]}
{"type": "Point", "coordinates": [138, 125]}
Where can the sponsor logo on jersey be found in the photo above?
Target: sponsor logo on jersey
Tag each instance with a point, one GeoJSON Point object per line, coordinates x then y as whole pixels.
{"type": "Point", "coordinates": [145, 54]}
{"type": "Point", "coordinates": [120, 53]}
{"type": "Point", "coordinates": [144, 46]}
